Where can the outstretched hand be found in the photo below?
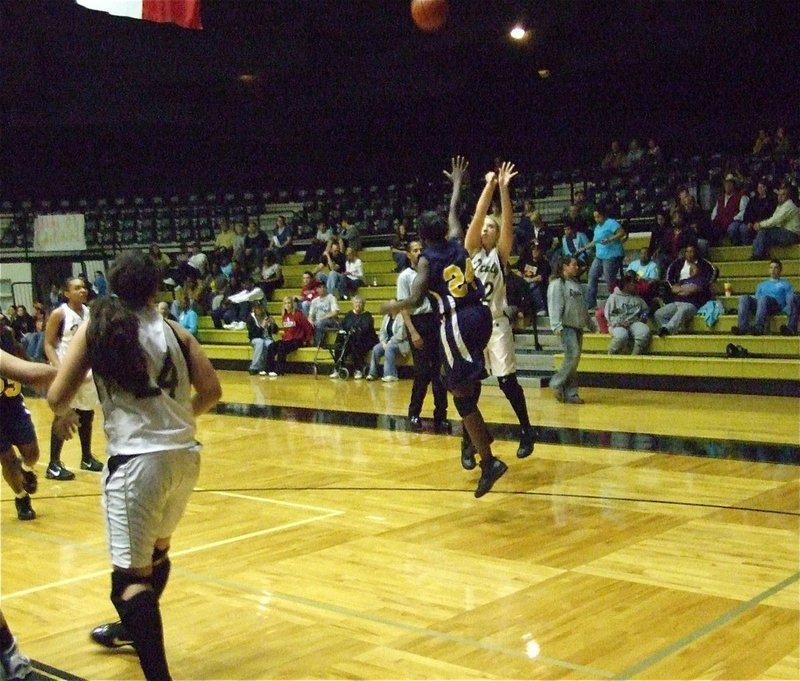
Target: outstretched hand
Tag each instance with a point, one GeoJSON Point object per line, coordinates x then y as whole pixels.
{"type": "Point", "coordinates": [506, 172]}
{"type": "Point", "coordinates": [459, 167]}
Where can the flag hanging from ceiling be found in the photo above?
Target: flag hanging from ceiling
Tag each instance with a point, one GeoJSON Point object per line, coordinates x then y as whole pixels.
{"type": "Point", "coordinates": [185, 13]}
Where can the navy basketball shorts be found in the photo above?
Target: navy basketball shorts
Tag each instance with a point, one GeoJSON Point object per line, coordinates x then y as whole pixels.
{"type": "Point", "coordinates": [16, 427]}
{"type": "Point", "coordinates": [464, 334]}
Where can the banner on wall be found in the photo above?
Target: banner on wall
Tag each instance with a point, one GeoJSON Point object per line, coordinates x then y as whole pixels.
{"type": "Point", "coordinates": [61, 232]}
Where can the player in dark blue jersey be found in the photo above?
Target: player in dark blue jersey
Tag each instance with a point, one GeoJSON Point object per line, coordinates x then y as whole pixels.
{"type": "Point", "coordinates": [445, 274]}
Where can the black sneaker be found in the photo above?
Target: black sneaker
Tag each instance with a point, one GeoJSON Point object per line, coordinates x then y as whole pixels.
{"type": "Point", "coordinates": [527, 439]}
{"type": "Point", "coordinates": [467, 454]}
{"type": "Point", "coordinates": [111, 635]}
{"type": "Point", "coordinates": [491, 471]}
{"type": "Point", "coordinates": [24, 509]}
{"type": "Point", "coordinates": [91, 464]}
{"type": "Point", "coordinates": [737, 331]}
{"type": "Point", "coordinates": [416, 423]}
{"type": "Point", "coordinates": [56, 471]}
{"type": "Point", "coordinates": [786, 331]}
{"type": "Point", "coordinates": [442, 426]}
{"type": "Point", "coordinates": [30, 483]}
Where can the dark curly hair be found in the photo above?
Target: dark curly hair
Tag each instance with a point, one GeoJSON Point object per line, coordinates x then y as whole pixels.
{"type": "Point", "coordinates": [112, 336]}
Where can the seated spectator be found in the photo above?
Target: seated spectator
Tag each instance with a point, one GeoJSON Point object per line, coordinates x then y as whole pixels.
{"type": "Point", "coordinates": [318, 245]}
{"type": "Point", "coordinates": [54, 296]}
{"type": "Point", "coordinates": [772, 296]}
{"type": "Point", "coordinates": [761, 206]}
{"type": "Point", "coordinates": [573, 244]}
{"type": "Point", "coordinates": [296, 333]}
{"type": "Point", "coordinates": [518, 301]}
{"type": "Point", "coordinates": [233, 310]}
{"type": "Point", "coordinates": [224, 238]}
{"type": "Point", "coordinates": [255, 243]}
{"type": "Point", "coordinates": [350, 235]}
{"type": "Point", "coordinates": [271, 275]}
{"type": "Point", "coordinates": [100, 285]}
{"type": "Point", "coordinates": [331, 267]}
{"type": "Point", "coordinates": [161, 259]}
{"type": "Point", "coordinates": [198, 260]}
{"type": "Point", "coordinates": [727, 216]}
{"type": "Point", "coordinates": [282, 242]}
{"type": "Point", "coordinates": [192, 288]}
{"type": "Point", "coordinates": [624, 313]}
{"type": "Point", "coordinates": [308, 291]}
{"type": "Point", "coordinates": [399, 246]}
{"type": "Point", "coordinates": [635, 154]}
{"type": "Point", "coordinates": [696, 219]}
{"type": "Point", "coordinates": [614, 159]}
{"type": "Point", "coordinates": [260, 328]}
{"type": "Point", "coordinates": [542, 234]}
{"type": "Point", "coordinates": [647, 274]}
{"type": "Point", "coordinates": [215, 284]}
{"type": "Point", "coordinates": [583, 213]}
{"type": "Point", "coordinates": [763, 143]}
{"type": "Point", "coordinates": [28, 333]}
{"type": "Point", "coordinates": [781, 146]}
{"type": "Point", "coordinates": [22, 323]}
{"type": "Point", "coordinates": [535, 270]}
{"type": "Point", "coordinates": [607, 243]}
{"type": "Point", "coordinates": [323, 314]}
{"type": "Point", "coordinates": [356, 338]}
{"type": "Point", "coordinates": [353, 278]}
{"type": "Point", "coordinates": [674, 240]}
{"type": "Point", "coordinates": [781, 229]}
{"type": "Point", "coordinates": [187, 317]}
{"type": "Point", "coordinates": [163, 310]}
{"type": "Point", "coordinates": [523, 231]}
{"type": "Point", "coordinates": [237, 250]}
{"type": "Point", "coordinates": [654, 156]}
{"type": "Point", "coordinates": [690, 280]}
{"type": "Point", "coordinates": [392, 340]}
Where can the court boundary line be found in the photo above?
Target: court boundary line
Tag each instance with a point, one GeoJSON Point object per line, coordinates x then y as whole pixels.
{"type": "Point", "coordinates": [709, 627]}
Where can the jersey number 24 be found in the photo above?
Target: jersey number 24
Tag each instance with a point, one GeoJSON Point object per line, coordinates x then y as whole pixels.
{"type": "Point", "coordinates": [458, 281]}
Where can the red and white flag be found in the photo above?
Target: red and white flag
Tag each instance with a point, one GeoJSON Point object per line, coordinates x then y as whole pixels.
{"type": "Point", "coordinates": [185, 13]}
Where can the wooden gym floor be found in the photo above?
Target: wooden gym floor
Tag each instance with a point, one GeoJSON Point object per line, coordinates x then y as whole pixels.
{"type": "Point", "coordinates": [649, 536]}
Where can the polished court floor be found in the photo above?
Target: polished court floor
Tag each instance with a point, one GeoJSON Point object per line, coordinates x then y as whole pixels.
{"type": "Point", "coordinates": [649, 536]}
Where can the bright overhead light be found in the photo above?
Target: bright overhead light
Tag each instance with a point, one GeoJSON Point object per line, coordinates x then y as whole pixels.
{"type": "Point", "coordinates": [518, 32]}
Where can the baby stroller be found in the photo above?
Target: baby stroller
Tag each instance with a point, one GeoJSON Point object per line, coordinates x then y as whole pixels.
{"type": "Point", "coordinates": [338, 352]}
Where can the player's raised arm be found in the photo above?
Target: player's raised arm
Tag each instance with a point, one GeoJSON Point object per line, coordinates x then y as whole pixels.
{"type": "Point", "coordinates": [472, 241]}
{"type": "Point", "coordinates": [456, 176]}
{"type": "Point", "coordinates": [506, 239]}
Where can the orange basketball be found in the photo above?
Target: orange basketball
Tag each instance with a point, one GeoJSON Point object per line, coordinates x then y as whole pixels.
{"type": "Point", "coordinates": [429, 15]}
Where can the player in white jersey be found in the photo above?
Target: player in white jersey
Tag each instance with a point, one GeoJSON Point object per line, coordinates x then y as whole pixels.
{"type": "Point", "coordinates": [153, 457]}
{"type": "Point", "coordinates": [61, 328]}
{"type": "Point", "coordinates": [489, 245]}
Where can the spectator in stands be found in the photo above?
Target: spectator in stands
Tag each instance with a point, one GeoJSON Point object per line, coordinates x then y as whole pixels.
{"type": "Point", "coordinates": [772, 296]}
{"type": "Point", "coordinates": [763, 143]}
{"type": "Point", "coordinates": [161, 259]}
{"type": "Point", "coordinates": [323, 313]}
{"type": "Point", "coordinates": [353, 278]}
{"type": "Point", "coordinates": [761, 206]}
{"type": "Point", "coordinates": [333, 261]}
{"type": "Point", "coordinates": [781, 229]}
{"type": "Point", "coordinates": [187, 317]}
{"type": "Point", "coordinates": [255, 243]}
{"type": "Point", "coordinates": [614, 159]}
{"type": "Point", "coordinates": [518, 301]}
{"type": "Point", "coordinates": [100, 285]}
{"type": "Point", "coordinates": [239, 236]}
{"type": "Point", "coordinates": [654, 155]}
{"type": "Point", "coordinates": [584, 212]}
{"type": "Point", "coordinates": [260, 328]}
{"type": "Point", "coordinates": [790, 328]}
{"type": "Point", "coordinates": [215, 284]}
{"type": "Point", "coordinates": [350, 235]}
{"type": "Point", "coordinates": [607, 244]}
{"type": "Point", "coordinates": [674, 240]}
{"type": "Point", "coordinates": [196, 292]}
{"type": "Point", "coordinates": [535, 270]}
{"type": "Point", "coordinates": [392, 341]}
{"type": "Point", "coordinates": [308, 291]}
{"type": "Point", "coordinates": [318, 245]}
{"type": "Point", "coordinates": [727, 216]}
{"type": "Point", "coordinates": [647, 274]}
{"type": "Point", "coordinates": [542, 234]}
{"type": "Point", "coordinates": [625, 312]}
{"type": "Point", "coordinates": [635, 154]}
{"type": "Point", "coordinates": [356, 338]}
{"type": "Point", "coordinates": [163, 310]}
{"type": "Point", "coordinates": [271, 274]}
{"type": "Point", "coordinates": [573, 243]}
{"type": "Point", "coordinates": [574, 217]}
{"type": "Point", "coordinates": [568, 318]}
{"type": "Point", "coordinates": [399, 246]}
{"type": "Point", "coordinates": [282, 243]}
{"type": "Point", "coordinates": [224, 238]}
{"type": "Point", "coordinates": [33, 342]}
{"type": "Point", "coordinates": [690, 280]}
{"type": "Point", "coordinates": [296, 333]}
{"type": "Point", "coordinates": [225, 314]}
{"type": "Point", "coordinates": [523, 232]}
{"type": "Point", "coordinates": [782, 146]}
{"type": "Point", "coordinates": [54, 296]}
{"type": "Point", "coordinates": [22, 323]}
{"type": "Point", "coordinates": [695, 217]}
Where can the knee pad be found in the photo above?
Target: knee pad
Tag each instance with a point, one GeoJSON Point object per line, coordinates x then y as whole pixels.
{"type": "Point", "coordinates": [465, 405]}
{"type": "Point", "coordinates": [121, 580]}
{"type": "Point", "coordinates": [161, 569]}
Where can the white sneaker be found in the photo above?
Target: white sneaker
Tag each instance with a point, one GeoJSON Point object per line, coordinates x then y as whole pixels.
{"type": "Point", "coordinates": [272, 374]}
{"type": "Point", "coordinates": [358, 375]}
{"type": "Point", "coordinates": [541, 313]}
{"type": "Point", "coordinates": [169, 281]}
{"type": "Point", "coordinates": [389, 379]}
{"type": "Point", "coordinates": [240, 326]}
{"type": "Point", "coordinates": [334, 374]}
{"type": "Point", "coordinates": [229, 327]}
{"type": "Point", "coordinates": [262, 373]}
{"type": "Point", "coordinates": [15, 664]}
{"type": "Point", "coordinates": [370, 377]}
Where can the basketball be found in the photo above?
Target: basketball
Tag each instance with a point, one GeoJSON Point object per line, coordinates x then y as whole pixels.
{"type": "Point", "coordinates": [429, 15]}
